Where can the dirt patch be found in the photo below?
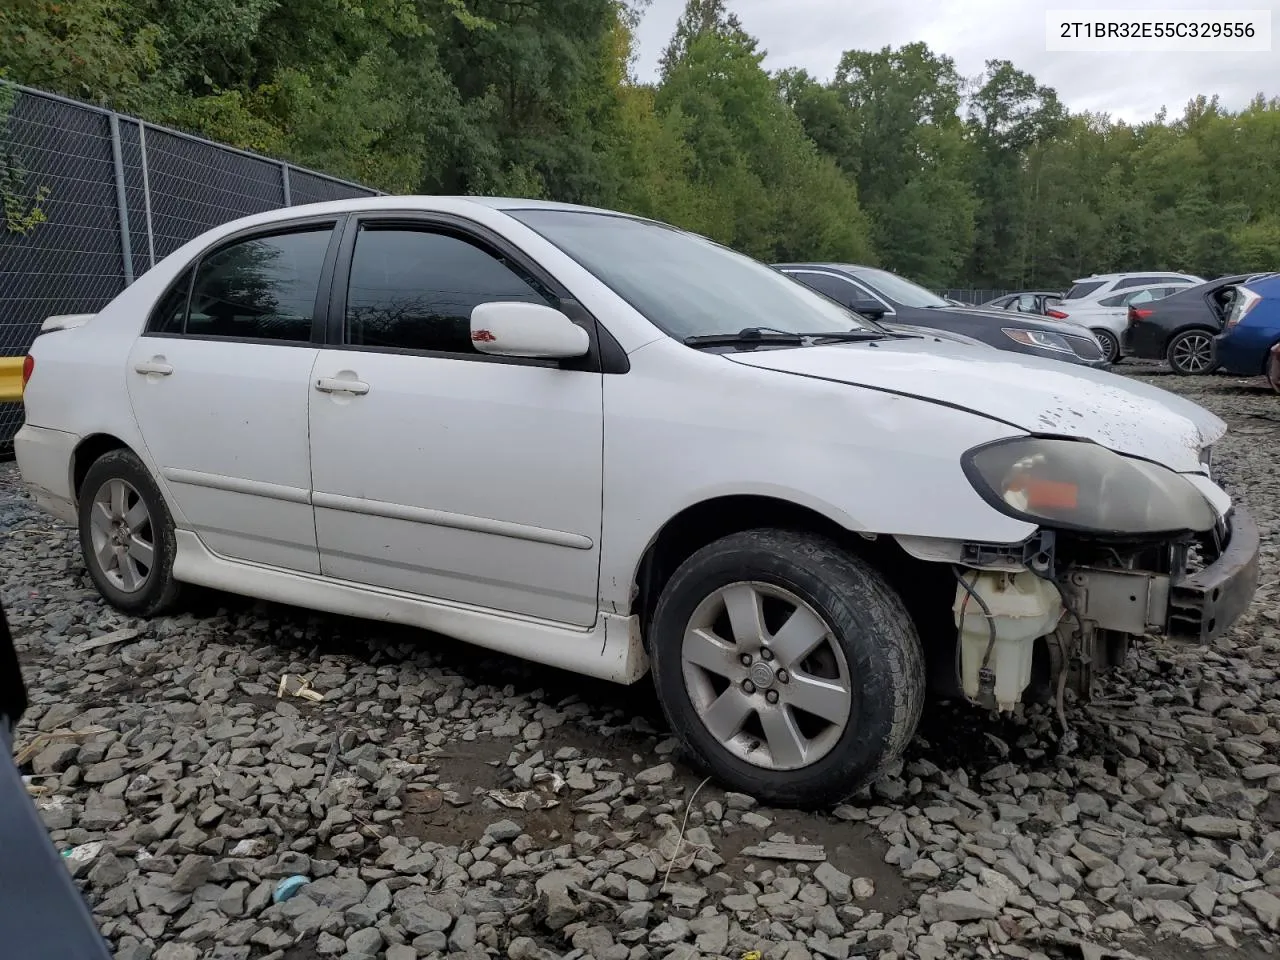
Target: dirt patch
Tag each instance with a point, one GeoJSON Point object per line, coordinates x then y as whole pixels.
{"type": "Point", "coordinates": [469, 770]}
{"type": "Point", "coordinates": [306, 950]}
{"type": "Point", "coordinates": [852, 848]}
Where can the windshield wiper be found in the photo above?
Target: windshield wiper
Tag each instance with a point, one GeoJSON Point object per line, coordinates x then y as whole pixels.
{"type": "Point", "coordinates": [765, 335]}
{"type": "Point", "coordinates": [745, 335]}
{"type": "Point", "coordinates": [851, 336]}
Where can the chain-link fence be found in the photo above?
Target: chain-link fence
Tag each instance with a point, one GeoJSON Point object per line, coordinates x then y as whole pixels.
{"type": "Point", "coordinates": [974, 295]}
{"type": "Point", "coordinates": [92, 199]}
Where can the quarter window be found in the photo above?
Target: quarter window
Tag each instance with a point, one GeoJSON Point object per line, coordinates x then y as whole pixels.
{"type": "Point", "coordinates": [415, 289]}
{"type": "Point", "coordinates": [264, 288]}
{"type": "Point", "coordinates": [170, 314]}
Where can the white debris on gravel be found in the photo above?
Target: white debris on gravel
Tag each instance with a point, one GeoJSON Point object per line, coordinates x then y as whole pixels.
{"type": "Point", "coordinates": [1158, 837]}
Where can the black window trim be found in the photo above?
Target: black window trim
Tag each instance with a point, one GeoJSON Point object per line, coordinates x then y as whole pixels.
{"type": "Point", "coordinates": [261, 231]}
{"type": "Point", "coordinates": [605, 354]}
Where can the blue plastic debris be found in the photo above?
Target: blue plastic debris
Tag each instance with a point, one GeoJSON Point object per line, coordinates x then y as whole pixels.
{"type": "Point", "coordinates": [288, 887]}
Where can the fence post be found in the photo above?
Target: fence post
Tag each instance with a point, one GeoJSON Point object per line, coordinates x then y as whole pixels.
{"type": "Point", "coordinates": [122, 201]}
{"type": "Point", "coordinates": [284, 178]}
{"type": "Point", "coordinates": [146, 192]}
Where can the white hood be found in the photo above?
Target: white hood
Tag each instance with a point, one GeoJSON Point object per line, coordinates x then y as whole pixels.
{"type": "Point", "coordinates": [1037, 395]}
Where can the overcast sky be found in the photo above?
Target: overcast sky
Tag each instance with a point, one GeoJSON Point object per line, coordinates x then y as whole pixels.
{"type": "Point", "coordinates": [1130, 86]}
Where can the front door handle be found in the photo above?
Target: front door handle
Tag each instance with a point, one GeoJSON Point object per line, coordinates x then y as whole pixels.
{"type": "Point", "coordinates": [155, 365]}
{"type": "Point", "coordinates": [338, 385]}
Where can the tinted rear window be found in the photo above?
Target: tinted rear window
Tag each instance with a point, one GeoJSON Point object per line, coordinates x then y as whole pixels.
{"type": "Point", "coordinates": [1083, 289]}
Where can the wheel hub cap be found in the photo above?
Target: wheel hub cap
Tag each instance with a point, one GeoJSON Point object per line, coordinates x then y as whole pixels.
{"type": "Point", "coordinates": [761, 674]}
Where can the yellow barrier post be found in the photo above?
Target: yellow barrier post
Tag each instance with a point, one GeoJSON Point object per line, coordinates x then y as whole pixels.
{"type": "Point", "coordinates": [10, 379]}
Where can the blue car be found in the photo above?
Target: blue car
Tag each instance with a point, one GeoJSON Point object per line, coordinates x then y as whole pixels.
{"type": "Point", "coordinates": [1252, 328]}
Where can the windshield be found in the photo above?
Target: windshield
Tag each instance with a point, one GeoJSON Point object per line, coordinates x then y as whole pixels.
{"type": "Point", "coordinates": [686, 285]}
{"type": "Point", "coordinates": [895, 288]}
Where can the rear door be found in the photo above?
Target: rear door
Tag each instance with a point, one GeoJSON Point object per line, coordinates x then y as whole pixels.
{"type": "Point", "coordinates": [220, 382]}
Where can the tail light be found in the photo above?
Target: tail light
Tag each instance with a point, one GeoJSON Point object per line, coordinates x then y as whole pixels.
{"type": "Point", "coordinates": [28, 368]}
{"type": "Point", "coordinates": [1056, 314]}
{"type": "Point", "coordinates": [1138, 314]}
{"type": "Point", "coordinates": [1245, 301]}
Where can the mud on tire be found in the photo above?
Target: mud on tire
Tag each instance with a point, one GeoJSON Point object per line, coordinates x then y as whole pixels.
{"type": "Point", "coordinates": [866, 624]}
{"type": "Point", "coordinates": [157, 591]}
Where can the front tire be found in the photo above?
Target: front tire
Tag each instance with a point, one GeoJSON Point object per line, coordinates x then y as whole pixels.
{"type": "Point", "coordinates": [786, 666]}
{"type": "Point", "coordinates": [1110, 345]}
{"type": "Point", "coordinates": [127, 535]}
{"type": "Point", "coordinates": [1190, 353]}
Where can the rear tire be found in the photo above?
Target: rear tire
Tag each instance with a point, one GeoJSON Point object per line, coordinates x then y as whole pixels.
{"type": "Point", "coordinates": [1110, 345]}
{"type": "Point", "coordinates": [835, 684]}
{"type": "Point", "coordinates": [1190, 353]}
{"type": "Point", "coordinates": [127, 535]}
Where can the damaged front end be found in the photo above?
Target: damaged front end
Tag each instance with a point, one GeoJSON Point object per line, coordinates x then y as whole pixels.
{"type": "Point", "coordinates": [1125, 549]}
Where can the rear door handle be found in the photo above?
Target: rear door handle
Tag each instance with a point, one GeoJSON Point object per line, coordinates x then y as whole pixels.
{"type": "Point", "coordinates": [337, 385]}
{"type": "Point", "coordinates": [156, 366]}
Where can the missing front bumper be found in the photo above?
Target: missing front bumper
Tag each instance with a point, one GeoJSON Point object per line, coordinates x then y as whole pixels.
{"type": "Point", "coordinates": [1193, 608]}
{"type": "Point", "coordinates": [1206, 604]}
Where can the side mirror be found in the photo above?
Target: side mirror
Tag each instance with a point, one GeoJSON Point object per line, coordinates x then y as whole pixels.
{"type": "Point", "coordinates": [514, 329]}
{"type": "Point", "coordinates": [871, 309]}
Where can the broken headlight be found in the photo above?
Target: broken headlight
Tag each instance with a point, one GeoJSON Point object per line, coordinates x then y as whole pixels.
{"type": "Point", "coordinates": [1077, 485]}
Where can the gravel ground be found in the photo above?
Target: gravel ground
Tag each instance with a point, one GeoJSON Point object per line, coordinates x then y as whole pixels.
{"type": "Point", "coordinates": [445, 802]}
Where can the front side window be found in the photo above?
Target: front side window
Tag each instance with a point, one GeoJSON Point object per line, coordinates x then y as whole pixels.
{"type": "Point", "coordinates": [684, 284]}
{"type": "Point", "coordinates": [415, 289]}
{"type": "Point", "coordinates": [263, 288]}
{"type": "Point", "coordinates": [1027, 303]}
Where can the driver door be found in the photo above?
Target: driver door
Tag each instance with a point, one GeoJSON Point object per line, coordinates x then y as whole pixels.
{"type": "Point", "coordinates": [438, 470]}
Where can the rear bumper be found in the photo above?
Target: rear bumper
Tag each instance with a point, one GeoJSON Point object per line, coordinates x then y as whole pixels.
{"type": "Point", "coordinates": [44, 462]}
{"type": "Point", "coordinates": [1240, 354]}
{"type": "Point", "coordinates": [1204, 605]}
{"type": "Point", "coordinates": [1145, 341]}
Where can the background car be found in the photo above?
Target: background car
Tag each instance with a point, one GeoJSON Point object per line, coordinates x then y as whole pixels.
{"type": "Point", "coordinates": [890, 298]}
{"type": "Point", "coordinates": [1101, 284]}
{"type": "Point", "coordinates": [1028, 301]}
{"type": "Point", "coordinates": [1252, 328]}
{"type": "Point", "coordinates": [1108, 316]}
{"type": "Point", "coordinates": [1179, 328]}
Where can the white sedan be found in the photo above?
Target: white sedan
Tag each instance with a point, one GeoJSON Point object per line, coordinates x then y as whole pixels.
{"type": "Point", "coordinates": [1108, 316]}
{"type": "Point", "coordinates": [608, 445]}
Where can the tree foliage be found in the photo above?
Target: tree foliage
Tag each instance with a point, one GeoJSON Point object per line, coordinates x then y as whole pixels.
{"type": "Point", "coordinates": [984, 181]}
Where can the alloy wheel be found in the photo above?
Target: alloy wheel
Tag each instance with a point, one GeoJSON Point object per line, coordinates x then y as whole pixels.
{"type": "Point", "coordinates": [766, 675]}
{"type": "Point", "coordinates": [121, 532]}
{"type": "Point", "coordinates": [1110, 345]}
{"type": "Point", "coordinates": [1193, 353]}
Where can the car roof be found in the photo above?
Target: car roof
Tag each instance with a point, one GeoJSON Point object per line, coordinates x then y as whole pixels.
{"type": "Point", "coordinates": [1132, 273]}
{"type": "Point", "coordinates": [850, 268]}
{"type": "Point", "coordinates": [425, 202]}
